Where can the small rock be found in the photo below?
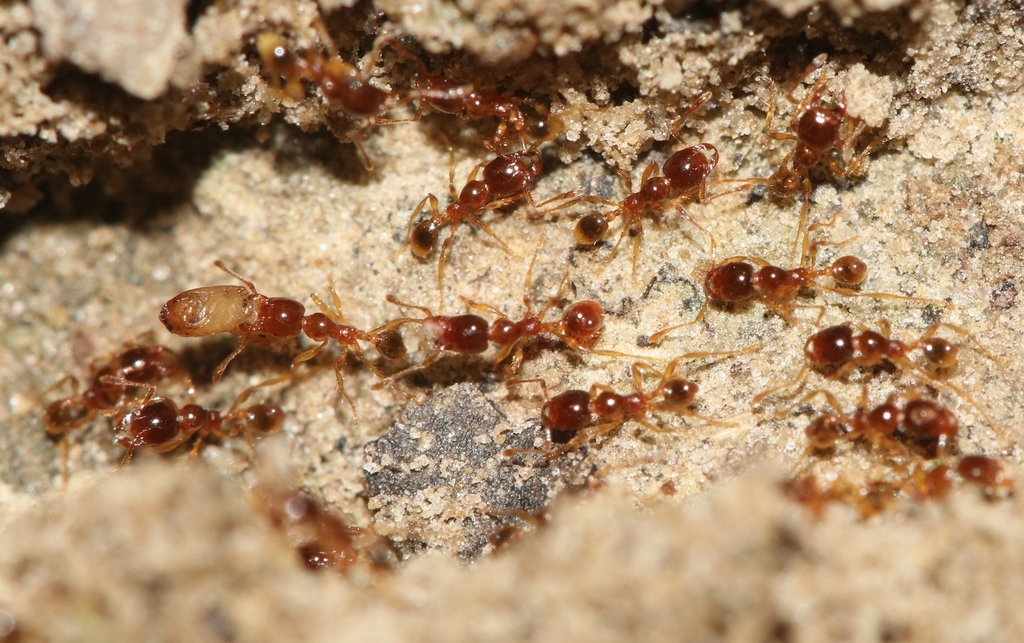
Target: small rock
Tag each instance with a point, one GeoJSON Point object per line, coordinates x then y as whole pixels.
{"type": "Point", "coordinates": [439, 480]}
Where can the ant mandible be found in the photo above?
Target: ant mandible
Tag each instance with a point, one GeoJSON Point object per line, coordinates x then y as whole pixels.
{"type": "Point", "coordinates": [570, 417]}
{"type": "Point", "coordinates": [158, 425]}
{"type": "Point", "coordinates": [817, 130]}
{"type": "Point", "coordinates": [342, 84]}
{"type": "Point", "coordinates": [505, 179]}
{"type": "Point", "coordinates": [684, 173]}
{"type": "Point", "coordinates": [736, 279]}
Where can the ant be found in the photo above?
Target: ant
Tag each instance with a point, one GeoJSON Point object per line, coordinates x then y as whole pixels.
{"type": "Point", "coordinates": [817, 131]}
{"type": "Point", "coordinates": [239, 310]}
{"type": "Point", "coordinates": [569, 417]}
{"type": "Point", "coordinates": [257, 318]}
{"type": "Point", "coordinates": [158, 425]}
{"type": "Point", "coordinates": [138, 363]}
{"type": "Point", "coordinates": [517, 117]}
{"type": "Point", "coordinates": [342, 84]}
{"type": "Point", "coordinates": [920, 418]}
{"type": "Point", "coordinates": [743, 278]}
{"type": "Point", "coordinates": [464, 334]}
{"type": "Point", "coordinates": [840, 348]}
{"type": "Point", "coordinates": [505, 179]}
{"type": "Point", "coordinates": [684, 174]}
{"type": "Point", "coordinates": [579, 326]}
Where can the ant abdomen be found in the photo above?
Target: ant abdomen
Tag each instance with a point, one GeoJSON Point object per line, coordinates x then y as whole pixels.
{"type": "Point", "coordinates": [155, 423]}
{"type": "Point", "coordinates": [568, 411]}
{"type": "Point", "coordinates": [848, 270]}
{"type": "Point", "coordinates": [832, 346]}
{"type": "Point", "coordinates": [460, 334]}
{"type": "Point", "coordinates": [730, 282]}
{"type": "Point", "coordinates": [510, 174]}
{"type": "Point", "coordinates": [209, 310]}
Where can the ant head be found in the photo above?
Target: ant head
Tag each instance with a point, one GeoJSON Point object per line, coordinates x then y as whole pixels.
{"type": "Point", "coordinates": [940, 353]}
{"type": "Point", "coordinates": [849, 270]}
{"type": "Point", "coordinates": [389, 344]}
{"type": "Point", "coordinates": [424, 238]}
{"type": "Point", "coordinates": [679, 392]}
{"type": "Point", "coordinates": [591, 228]}
{"type": "Point", "coordinates": [265, 418]}
{"type": "Point", "coordinates": [65, 415]}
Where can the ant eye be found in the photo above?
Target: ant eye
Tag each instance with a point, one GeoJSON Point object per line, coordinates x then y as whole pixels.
{"type": "Point", "coordinates": [591, 228]}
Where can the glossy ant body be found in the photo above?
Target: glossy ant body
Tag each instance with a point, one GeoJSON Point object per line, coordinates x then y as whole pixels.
{"type": "Point", "coordinates": [138, 364]}
{"type": "Point", "coordinates": [684, 175]}
{"type": "Point", "coordinates": [464, 334]}
{"type": "Point", "coordinates": [504, 180]}
{"type": "Point", "coordinates": [158, 425]}
{"type": "Point", "coordinates": [342, 85]}
{"type": "Point", "coordinates": [839, 347]}
{"type": "Point", "coordinates": [574, 417]}
{"type": "Point", "coordinates": [742, 278]}
{"type": "Point", "coordinates": [817, 131]}
{"type": "Point", "coordinates": [519, 119]}
{"type": "Point", "coordinates": [256, 318]}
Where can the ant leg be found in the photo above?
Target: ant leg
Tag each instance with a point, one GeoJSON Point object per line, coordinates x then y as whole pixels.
{"type": "Point", "coordinates": [534, 380]}
{"type": "Point", "coordinates": [338, 363]}
{"type": "Point", "coordinates": [391, 299]}
{"type": "Point", "coordinates": [389, 381]}
{"type": "Point", "coordinates": [649, 171]}
{"type": "Point", "coordinates": [657, 337]}
{"type": "Point", "coordinates": [678, 124]}
{"type": "Point", "coordinates": [799, 381]}
{"type": "Point", "coordinates": [819, 85]}
{"type": "Point", "coordinates": [487, 229]}
{"type": "Point", "coordinates": [884, 295]}
{"type": "Point", "coordinates": [801, 231]}
{"type": "Point", "coordinates": [636, 246]}
{"type": "Point", "coordinates": [310, 354]}
{"type": "Point", "coordinates": [244, 395]}
{"type": "Point", "coordinates": [219, 373]}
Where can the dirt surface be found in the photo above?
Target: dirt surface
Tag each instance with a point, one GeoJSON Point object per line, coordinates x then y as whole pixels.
{"type": "Point", "coordinates": [124, 177]}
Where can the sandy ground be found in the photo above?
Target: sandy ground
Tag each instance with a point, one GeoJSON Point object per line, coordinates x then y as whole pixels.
{"type": "Point", "coordinates": [120, 193]}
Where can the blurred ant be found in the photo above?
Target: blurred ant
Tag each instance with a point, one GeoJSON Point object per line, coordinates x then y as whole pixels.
{"type": "Point", "coordinates": [323, 541]}
{"type": "Point", "coordinates": [685, 175]}
{"type": "Point", "coordinates": [342, 84]}
{"type": "Point", "coordinates": [519, 119]}
{"type": "Point", "coordinates": [917, 417]}
{"type": "Point", "coordinates": [138, 363]}
{"type": "Point", "coordinates": [569, 417]}
{"type": "Point", "coordinates": [817, 131]}
{"type": "Point", "coordinates": [158, 425]}
{"type": "Point", "coordinates": [742, 278]}
{"type": "Point", "coordinates": [510, 533]}
{"type": "Point", "coordinates": [259, 319]}
{"type": "Point", "coordinates": [505, 179]}
{"type": "Point", "coordinates": [840, 348]}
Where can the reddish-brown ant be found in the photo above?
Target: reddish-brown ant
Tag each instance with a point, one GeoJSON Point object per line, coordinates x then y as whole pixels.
{"type": "Point", "coordinates": [158, 425]}
{"type": "Point", "coordinates": [342, 84]}
{"type": "Point", "coordinates": [840, 348]}
{"type": "Point", "coordinates": [570, 417]}
{"type": "Point", "coordinates": [138, 363]}
{"type": "Point", "coordinates": [685, 175]}
{"type": "Point", "coordinates": [256, 318]}
{"type": "Point", "coordinates": [742, 278]}
{"type": "Point", "coordinates": [504, 180]}
{"type": "Point", "coordinates": [518, 118]}
{"type": "Point", "coordinates": [817, 130]}
{"type": "Point", "coordinates": [239, 310]}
